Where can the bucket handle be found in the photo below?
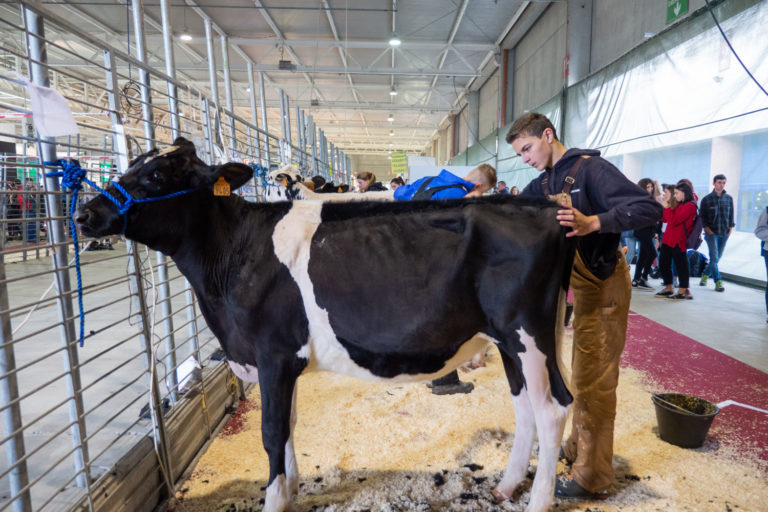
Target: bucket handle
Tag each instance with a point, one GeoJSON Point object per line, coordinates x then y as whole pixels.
{"type": "Point", "coordinates": [686, 411]}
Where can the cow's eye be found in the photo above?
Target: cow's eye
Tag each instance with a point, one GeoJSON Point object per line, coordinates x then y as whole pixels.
{"type": "Point", "coordinates": [156, 176]}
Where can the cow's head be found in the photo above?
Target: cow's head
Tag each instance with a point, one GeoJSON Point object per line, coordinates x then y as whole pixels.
{"type": "Point", "coordinates": [280, 184]}
{"type": "Point", "coordinates": [156, 174]}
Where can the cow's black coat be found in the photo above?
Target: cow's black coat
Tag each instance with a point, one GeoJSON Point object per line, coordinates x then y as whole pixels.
{"type": "Point", "coordinates": [405, 284]}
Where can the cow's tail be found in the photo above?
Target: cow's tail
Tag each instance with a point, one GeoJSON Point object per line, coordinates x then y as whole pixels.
{"type": "Point", "coordinates": [563, 363]}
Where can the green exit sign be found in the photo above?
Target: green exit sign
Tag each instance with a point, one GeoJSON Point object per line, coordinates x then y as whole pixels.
{"type": "Point", "coordinates": [675, 9]}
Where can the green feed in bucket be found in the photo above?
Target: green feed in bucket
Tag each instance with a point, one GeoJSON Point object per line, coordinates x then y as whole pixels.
{"type": "Point", "coordinates": [684, 420]}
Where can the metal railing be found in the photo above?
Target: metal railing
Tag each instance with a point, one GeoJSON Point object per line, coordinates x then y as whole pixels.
{"type": "Point", "coordinates": [118, 420]}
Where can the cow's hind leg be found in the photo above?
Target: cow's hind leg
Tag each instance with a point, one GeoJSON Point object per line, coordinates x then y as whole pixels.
{"type": "Point", "coordinates": [277, 381]}
{"type": "Point", "coordinates": [291, 468]}
{"type": "Point", "coordinates": [550, 418]}
{"type": "Point", "coordinates": [525, 432]}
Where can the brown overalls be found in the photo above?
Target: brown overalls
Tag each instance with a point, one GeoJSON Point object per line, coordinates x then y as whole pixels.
{"type": "Point", "coordinates": [601, 308]}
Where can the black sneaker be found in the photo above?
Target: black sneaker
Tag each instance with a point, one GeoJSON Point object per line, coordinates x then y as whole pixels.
{"type": "Point", "coordinates": [664, 294]}
{"type": "Point", "coordinates": [569, 488]}
{"type": "Point", "coordinates": [643, 285]}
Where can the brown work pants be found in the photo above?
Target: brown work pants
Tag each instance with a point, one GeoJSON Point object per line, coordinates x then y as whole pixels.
{"type": "Point", "coordinates": [600, 310]}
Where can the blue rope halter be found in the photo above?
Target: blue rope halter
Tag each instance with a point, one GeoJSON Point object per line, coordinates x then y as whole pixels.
{"type": "Point", "coordinates": [72, 177]}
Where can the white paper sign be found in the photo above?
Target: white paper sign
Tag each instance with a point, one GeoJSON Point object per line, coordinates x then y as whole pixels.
{"type": "Point", "coordinates": [50, 112]}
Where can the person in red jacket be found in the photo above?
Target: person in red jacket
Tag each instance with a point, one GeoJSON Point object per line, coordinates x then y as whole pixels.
{"type": "Point", "coordinates": [673, 245]}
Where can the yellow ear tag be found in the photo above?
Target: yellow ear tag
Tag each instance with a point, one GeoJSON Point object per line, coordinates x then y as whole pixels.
{"type": "Point", "coordinates": [285, 183]}
{"type": "Point", "coordinates": [221, 187]}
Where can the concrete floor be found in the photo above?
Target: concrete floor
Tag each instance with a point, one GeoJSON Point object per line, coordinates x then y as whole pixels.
{"type": "Point", "coordinates": [732, 322]}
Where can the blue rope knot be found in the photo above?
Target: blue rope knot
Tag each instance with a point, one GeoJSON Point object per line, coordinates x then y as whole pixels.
{"type": "Point", "coordinates": [72, 177]}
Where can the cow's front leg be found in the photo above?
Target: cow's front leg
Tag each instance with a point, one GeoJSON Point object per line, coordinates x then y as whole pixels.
{"type": "Point", "coordinates": [277, 380]}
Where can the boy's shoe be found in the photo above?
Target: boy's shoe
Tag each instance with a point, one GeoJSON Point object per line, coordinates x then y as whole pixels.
{"type": "Point", "coordinates": [719, 286]}
{"type": "Point", "coordinates": [703, 281]}
{"type": "Point", "coordinates": [569, 488]}
{"type": "Point", "coordinates": [681, 296]}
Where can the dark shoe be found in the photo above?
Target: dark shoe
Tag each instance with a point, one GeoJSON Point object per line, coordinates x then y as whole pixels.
{"type": "Point", "coordinates": [569, 488]}
{"type": "Point", "coordinates": [681, 296]}
{"type": "Point", "coordinates": [634, 283]}
{"type": "Point", "coordinates": [643, 285]}
{"type": "Point", "coordinates": [664, 293]}
{"type": "Point", "coordinates": [452, 389]}
{"type": "Point", "coordinates": [563, 458]}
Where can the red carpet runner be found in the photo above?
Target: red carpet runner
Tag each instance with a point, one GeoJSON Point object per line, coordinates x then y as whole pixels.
{"type": "Point", "coordinates": [677, 363]}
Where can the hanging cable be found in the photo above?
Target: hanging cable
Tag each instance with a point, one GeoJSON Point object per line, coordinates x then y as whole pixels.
{"type": "Point", "coordinates": [722, 32]}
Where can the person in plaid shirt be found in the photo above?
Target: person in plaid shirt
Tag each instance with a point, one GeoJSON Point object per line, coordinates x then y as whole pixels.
{"type": "Point", "coordinates": [717, 216]}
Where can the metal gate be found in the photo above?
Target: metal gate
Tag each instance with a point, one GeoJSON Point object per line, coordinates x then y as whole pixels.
{"type": "Point", "coordinates": [113, 423]}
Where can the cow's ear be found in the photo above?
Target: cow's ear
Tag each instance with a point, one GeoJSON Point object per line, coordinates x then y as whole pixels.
{"type": "Point", "coordinates": [235, 174]}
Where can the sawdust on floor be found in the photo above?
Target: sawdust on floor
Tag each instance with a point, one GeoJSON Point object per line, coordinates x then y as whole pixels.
{"type": "Point", "coordinates": [378, 447]}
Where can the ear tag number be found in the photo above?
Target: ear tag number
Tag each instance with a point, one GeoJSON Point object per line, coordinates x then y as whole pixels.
{"type": "Point", "coordinates": [221, 187]}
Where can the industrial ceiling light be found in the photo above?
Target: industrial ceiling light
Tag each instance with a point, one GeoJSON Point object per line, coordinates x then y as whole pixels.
{"type": "Point", "coordinates": [394, 40]}
{"type": "Point", "coordinates": [393, 92]}
{"type": "Point", "coordinates": [184, 36]}
{"type": "Point", "coordinates": [391, 117]}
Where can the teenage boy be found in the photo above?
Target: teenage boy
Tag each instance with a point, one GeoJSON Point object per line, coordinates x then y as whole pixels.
{"type": "Point", "coordinates": [717, 217]}
{"type": "Point", "coordinates": [602, 203]}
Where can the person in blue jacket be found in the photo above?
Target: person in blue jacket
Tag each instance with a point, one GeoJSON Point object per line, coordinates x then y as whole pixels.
{"type": "Point", "coordinates": [447, 185]}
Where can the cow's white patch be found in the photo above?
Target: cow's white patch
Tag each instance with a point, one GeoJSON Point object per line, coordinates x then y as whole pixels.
{"type": "Point", "coordinates": [277, 499]}
{"type": "Point", "coordinates": [246, 372]}
{"type": "Point", "coordinates": [550, 419]}
{"type": "Point", "coordinates": [292, 239]}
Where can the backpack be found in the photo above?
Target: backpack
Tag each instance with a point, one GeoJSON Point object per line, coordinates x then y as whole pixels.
{"type": "Point", "coordinates": [424, 193]}
{"type": "Point", "coordinates": [693, 239]}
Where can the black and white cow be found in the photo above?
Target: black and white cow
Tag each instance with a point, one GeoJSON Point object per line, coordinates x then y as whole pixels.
{"type": "Point", "coordinates": [287, 184]}
{"type": "Point", "coordinates": [278, 284]}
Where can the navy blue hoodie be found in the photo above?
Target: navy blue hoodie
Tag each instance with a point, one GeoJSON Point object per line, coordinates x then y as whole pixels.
{"type": "Point", "coordinates": [600, 189]}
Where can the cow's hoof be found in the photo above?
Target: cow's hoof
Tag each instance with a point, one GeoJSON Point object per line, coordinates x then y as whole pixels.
{"type": "Point", "coordinates": [452, 389]}
{"type": "Point", "coordinates": [499, 496]}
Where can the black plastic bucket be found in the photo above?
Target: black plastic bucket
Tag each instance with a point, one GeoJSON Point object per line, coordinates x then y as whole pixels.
{"type": "Point", "coordinates": [684, 420]}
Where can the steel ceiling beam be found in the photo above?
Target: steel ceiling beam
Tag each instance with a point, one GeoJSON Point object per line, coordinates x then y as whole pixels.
{"type": "Point", "coordinates": [365, 45]}
{"type": "Point", "coordinates": [336, 70]}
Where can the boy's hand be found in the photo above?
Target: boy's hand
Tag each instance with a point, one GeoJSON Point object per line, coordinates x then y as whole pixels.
{"type": "Point", "coordinates": [581, 224]}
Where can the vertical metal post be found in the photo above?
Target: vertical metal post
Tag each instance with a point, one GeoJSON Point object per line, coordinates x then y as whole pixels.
{"type": "Point", "coordinates": [170, 69]}
{"type": "Point", "coordinates": [145, 336]}
{"type": "Point", "coordinates": [313, 131]}
{"type": "Point", "coordinates": [263, 101]}
{"type": "Point", "coordinates": [283, 127]}
{"type": "Point", "coordinates": [349, 171]}
{"type": "Point", "coordinates": [214, 107]}
{"type": "Point", "coordinates": [299, 156]}
{"type": "Point", "coordinates": [288, 150]}
{"type": "Point", "coordinates": [18, 478]}
{"type": "Point", "coordinates": [144, 79]}
{"type": "Point", "coordinates": [332, 166]}
{"type": "Point", "coordinates": [207, 129]}
{"type": "Point", "coordinates": [164, 287]}
{"type": "Point", "coordinates": [254, 116]}
{"type": "Point", "coordinates": [228, 92]}
{"type": "Point", "coordinates": [47, 152]}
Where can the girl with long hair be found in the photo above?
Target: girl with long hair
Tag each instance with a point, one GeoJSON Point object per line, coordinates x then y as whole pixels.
{"type": "Point", "coordinates": [679, 221]}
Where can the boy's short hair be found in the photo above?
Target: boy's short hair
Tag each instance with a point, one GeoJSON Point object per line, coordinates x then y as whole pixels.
{"type": "Point", "coordinates": [719, 177]}
{"type": "Point", "coordinates": [486, 171]}
{"type": "Point", "coordinates": [531, 123]}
